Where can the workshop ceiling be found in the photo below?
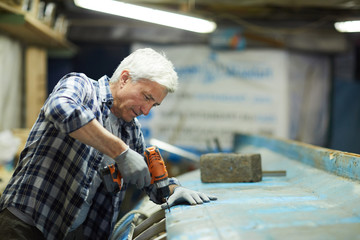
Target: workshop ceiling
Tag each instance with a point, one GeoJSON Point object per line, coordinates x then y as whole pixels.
{"type": "Point", "coordinates": [261, 9]}
{"type": "Point", "coordinates": [272, 19]}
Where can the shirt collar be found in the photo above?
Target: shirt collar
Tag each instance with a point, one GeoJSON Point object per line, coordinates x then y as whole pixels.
{"type": "Point", "coordinates": [105, 93]}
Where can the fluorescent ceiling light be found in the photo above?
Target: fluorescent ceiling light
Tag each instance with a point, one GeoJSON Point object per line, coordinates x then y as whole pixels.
{"type": "Point", "coordinates": [348, 26]}
{"type": "Point", "coordinates": [148, 15]}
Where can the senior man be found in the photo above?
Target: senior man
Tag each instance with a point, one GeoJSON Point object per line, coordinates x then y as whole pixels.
{"type": "Point", "coordinates": [56, 191]}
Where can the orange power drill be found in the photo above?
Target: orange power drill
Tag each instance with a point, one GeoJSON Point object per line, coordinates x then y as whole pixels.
{"type": "Point", "coordinates": [159, 176]}
{"type": "Point", "coordinates": [158, 172]}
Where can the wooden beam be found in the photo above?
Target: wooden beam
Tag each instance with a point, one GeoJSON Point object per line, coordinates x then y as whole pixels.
{"type": "Point", "coordinates": [35, 82]}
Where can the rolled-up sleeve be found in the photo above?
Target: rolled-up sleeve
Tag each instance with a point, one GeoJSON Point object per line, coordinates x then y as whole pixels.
{"type": "Point", "coordinates": [69, 105]}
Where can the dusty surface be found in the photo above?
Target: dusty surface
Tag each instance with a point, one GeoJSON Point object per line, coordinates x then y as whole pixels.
{"type": "Point", "coordinates": [308, 203]}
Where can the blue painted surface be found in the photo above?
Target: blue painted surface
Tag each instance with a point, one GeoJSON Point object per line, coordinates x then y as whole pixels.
{"type": "Point", "coordinates": [308, 203]}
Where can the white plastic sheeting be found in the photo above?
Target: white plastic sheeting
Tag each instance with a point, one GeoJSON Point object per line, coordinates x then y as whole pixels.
{"type": "Point", "coordinates": [256, 91]}
{"type": "Point", "coordinates": [9, 145]}
{"type": "Point", "coordinates": [309, 97]}
{"type": "Point", "coordinates": [10, 82]}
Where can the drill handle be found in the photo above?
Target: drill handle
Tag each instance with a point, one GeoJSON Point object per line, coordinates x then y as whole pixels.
{"type": "Point", "coordinates": [156, 164]}
{"type": "Point", "coordinates": [112, 179]}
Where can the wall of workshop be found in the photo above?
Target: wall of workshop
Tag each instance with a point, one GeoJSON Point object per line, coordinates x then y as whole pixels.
{"type": "Point", "coordinates": [345, 129]}
{"type": "Point", "coordinates": [345, 118]}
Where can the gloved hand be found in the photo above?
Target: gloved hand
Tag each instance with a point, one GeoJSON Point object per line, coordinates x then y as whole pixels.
{"type": "Point", "coordinates": [133, 168]}
{"type": "Point", "coordinates": [184, 195]}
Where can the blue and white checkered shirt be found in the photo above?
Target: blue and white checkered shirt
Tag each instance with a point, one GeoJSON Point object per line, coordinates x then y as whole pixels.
{"type": "Point", "coordinates": [55, 172]}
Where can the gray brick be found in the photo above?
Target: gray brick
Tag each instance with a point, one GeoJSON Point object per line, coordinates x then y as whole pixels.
{"type": "Point", "coordinates": [230, 167]}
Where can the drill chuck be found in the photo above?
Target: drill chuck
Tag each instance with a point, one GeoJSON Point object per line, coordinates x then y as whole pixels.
{"type": "Point", "coordinates": [162, 183]}
{"type": "Point", "coordinates": [163, 188]}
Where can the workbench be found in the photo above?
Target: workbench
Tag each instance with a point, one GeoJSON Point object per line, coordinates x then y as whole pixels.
{"type": "Point", "coordinates": [319, 198]}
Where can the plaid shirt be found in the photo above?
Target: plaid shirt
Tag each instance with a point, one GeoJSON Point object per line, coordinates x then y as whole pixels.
{"type": "Point", "coordinates": [54, 173]}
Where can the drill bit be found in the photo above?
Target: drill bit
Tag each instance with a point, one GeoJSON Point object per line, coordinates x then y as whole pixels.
{"type": "Point", "coordinates": [168, 204]}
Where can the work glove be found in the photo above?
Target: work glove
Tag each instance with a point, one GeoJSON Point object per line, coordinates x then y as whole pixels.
{"type": "Point", "coordinates": [133, 168]}
{"type": "Point", "coordinates": [184, 195]}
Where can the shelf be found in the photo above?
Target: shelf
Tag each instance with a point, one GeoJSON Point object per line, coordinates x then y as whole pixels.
{"type": "Point", "coordinates": [30, 30]}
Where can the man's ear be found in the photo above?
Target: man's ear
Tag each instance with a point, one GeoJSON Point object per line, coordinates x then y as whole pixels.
{"type": "Point", "coordinates": [124, 77]}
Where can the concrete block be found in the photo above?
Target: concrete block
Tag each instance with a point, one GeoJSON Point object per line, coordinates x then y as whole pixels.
{"type": "Point", "coordinates": [230, 167]}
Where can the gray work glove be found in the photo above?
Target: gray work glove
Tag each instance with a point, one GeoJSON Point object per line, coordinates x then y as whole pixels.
{"type": "Point", "coordinates": [184, 195]}
{"type": "Point", "coordinates": [133, 168]}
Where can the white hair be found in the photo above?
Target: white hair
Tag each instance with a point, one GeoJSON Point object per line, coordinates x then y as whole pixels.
{"type": "Point", "coordinates": [148, 64]}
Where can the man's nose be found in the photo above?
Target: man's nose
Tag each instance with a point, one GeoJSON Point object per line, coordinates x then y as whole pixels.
{"type": "Point", "coordinates": [146, 109]}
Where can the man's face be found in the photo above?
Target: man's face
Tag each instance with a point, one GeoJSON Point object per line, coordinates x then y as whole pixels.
{"type": "Point", "coordinates": [134, 99]}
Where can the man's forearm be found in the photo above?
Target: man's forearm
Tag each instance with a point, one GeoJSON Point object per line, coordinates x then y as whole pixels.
{"type": "Point", "coordinates": [95, 135]}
